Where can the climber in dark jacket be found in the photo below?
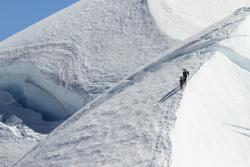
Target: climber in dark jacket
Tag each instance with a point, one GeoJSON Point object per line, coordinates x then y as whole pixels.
{"type": "Point", "coordinates": [185, 73]}
{"type": "Point", "coordinates": [183, 78]}
{"type": "Point", "coordinates": [182, 82]}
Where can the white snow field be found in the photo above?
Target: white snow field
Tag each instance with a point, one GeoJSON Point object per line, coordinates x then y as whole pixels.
{"type": "Point", "coordinates": [214, 132]}
{"type": "Point", "coordinates": [80, 57]}
{"type": "Point", "coordinates": [181, 19]}
{"type": "Point", "coordinates": [129, 125]}
{"type": "Point", "coordinates": [14, 141]}
{"type": "Point", "coordinates": [213, 125]}
{"type": "Point", "coordinates": [86, 48]}
{"type": "Point", "coordinates": [53, 68]}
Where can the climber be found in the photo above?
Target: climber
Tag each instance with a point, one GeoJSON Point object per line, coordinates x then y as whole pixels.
{"type": "Point", "coordinates": [185, 73]}
{"type": "Point", "coordinates": [182, 82]}
{"type": "Point", "coordinates": [183, 78]}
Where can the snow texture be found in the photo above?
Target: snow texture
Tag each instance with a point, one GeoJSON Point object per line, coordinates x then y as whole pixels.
{"type": "Point", "coordinates": [14, 141]}
{"type": "Point", "coordinates": [80, 56]}
{"type": "Point", "coordinates": [60, 64]}
{"type": "Point", "coordinates": [130, 124]}
{"type": "Point", "coordinates": [91, 45]}
{"type": "Point", "coordinates": [213, 127]}
{"type": "Point", "coordinates": [181, 19]}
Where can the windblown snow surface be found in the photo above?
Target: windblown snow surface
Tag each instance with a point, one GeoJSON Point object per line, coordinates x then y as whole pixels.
{"type": "Point", "coordinates": [53, 68]}
{"type": "Point", "coordinates": [130, 124]}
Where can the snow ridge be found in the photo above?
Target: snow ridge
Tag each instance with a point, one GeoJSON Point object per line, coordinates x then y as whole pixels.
{"type": "Point", "coordinates": [208, 38]}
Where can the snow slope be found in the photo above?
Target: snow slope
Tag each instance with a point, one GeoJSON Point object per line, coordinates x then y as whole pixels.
{"type": "Point", "coordinates": [71, 57]}
{"type": "Point", "coordinates": [214, 131]}
{"type": "Point", "coordinates": [129, 129]}
{"type": "Point", "coordinates": [92, 44]}
{"type": "Point", "coordinates": [130, 124]}
{"type": "Point", "coordinates": [213, 127]}
{"type": "Point", "coordinates": [181, 19]}
{"type": "Point", "coordinates": [60, 64]}
{"type": "Point", "coordinates": [85, 49]}
{"type": "Point", "coordinates": [14, 140]}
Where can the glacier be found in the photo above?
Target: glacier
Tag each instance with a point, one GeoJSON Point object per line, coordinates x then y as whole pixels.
{"type": "Point", "coordinates": [110, 68]}
{"type": "Point", "coordinates": [181, 19]}
{"type": "Point", "coordinates": [63, 62]}
{"type": "Point", "coordinates": [128, 126]}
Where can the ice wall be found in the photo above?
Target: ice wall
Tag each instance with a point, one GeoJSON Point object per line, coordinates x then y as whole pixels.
{"type": "Point", "coordinates": [34, 90]}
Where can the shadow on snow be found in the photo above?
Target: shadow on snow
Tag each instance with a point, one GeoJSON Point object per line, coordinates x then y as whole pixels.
{"type": "Point", "coordinates": [170, 94]}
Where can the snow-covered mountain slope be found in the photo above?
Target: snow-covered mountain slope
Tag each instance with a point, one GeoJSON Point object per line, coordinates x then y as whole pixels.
{"type": "Point", "coordinates": [14, 140]}
{"type": "Point", "coordinates": [73, 56]}
{"type": "Point", "coordinates": [58, 65]}
{"type": "Point", "coordinates": [213, 125]}
{"type": "Point", "coordinates": [181, 19]}
{"type": "Point", "coordinates": [130, 124]}
{"type": "Point", "coordinates": [70, 58]}
{"type": "Point", "coordinates": [53, 68]}
{"type": "Point", "coordinates": [91, 44]}
{"type": "Point", "coordinates": [214, 131]}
